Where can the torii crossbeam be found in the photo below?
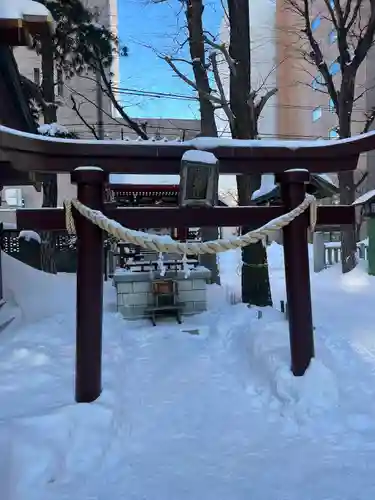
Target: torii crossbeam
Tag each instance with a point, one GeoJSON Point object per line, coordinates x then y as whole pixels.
{"type": "Point", "coordinates": [291, 160]}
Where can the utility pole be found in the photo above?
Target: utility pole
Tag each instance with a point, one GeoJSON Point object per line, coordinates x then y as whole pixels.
{"type": "Point", "coordinates": [99, 105]}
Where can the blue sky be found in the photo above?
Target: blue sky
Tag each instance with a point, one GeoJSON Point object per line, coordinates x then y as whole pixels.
{"type": "Point", "coordinates": [145, 28]}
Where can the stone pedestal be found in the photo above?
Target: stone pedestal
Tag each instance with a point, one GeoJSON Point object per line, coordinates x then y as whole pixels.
{"type": "Point", "coordinates": [134, 293]}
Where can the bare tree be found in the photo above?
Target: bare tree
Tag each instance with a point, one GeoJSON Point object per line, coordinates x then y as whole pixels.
{"type": "Point", "coordinates": [241, 108]}
{"type": "Point", "coordinates": [246, 106]}
{"type": "Point", "coordinates": [354, 25]}
{"type": "Point", "coordinates": [208, 101]}
{"type": "Point", "coordinates": [49, 186]}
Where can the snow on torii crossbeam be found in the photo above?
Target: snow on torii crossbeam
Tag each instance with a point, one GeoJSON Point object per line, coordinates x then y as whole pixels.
{"type": "Point", "coordinates": [290, 160]}
{"type": "Point", "coordinates": [47, 154]}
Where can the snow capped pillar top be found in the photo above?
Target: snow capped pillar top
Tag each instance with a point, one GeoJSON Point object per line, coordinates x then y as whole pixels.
{"type": "Point", "coordinates": [194, 155]}
{"type": "Point", "coordinates": [88, 174]}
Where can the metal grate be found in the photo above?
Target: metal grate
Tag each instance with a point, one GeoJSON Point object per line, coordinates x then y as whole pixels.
{"type": "Point", "coordinates": [10, 243]}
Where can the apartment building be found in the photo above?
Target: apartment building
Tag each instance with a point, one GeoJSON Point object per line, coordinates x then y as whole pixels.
{"type": "Point", "coordinates": [305, 110]}
{"type": "Point", "coordinates": [84, 90]}
{"type": "Point", "coordinates": [301, 108]}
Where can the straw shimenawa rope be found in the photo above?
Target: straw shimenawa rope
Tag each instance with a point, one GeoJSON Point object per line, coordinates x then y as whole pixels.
{"type": "Point", "coordinates": [164, 244]}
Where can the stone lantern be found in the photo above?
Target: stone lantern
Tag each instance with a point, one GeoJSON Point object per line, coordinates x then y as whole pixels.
{"type": "Point", "coordinates": [19, 19]}
{"type": "Point", "coordinates": [199, 176]}
{"type": "Point", "coordinates": [367, 203]}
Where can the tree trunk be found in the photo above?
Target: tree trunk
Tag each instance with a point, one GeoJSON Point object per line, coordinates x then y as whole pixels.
{"type": "Point", "coordinates": [346, 179]}
{"type": "Point", "coordinates": [255, 282]}
{"type": "Point", "coordinates": [255, 279]}
{"type": "Point", "coordinates": [194, 12]}
{"type": "Point", "coordinates": [49, 180]}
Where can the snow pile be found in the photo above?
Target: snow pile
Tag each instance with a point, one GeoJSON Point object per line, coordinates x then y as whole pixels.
{"type": "Point", "coordinates": [30, 236]}
{"type": "Point", "coordinates": [365, 197]}
{"type": "Point", "coordinates": [267, 185]}
{"type": "Point", "coordinates": [53, 129]}
{"type": "Point", "coordinates": [191, 410]}
{"type": "Point", "coordinates": [38, 295]}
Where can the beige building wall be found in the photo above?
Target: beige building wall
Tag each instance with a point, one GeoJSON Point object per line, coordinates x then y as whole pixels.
{"type": "Point", "coordinates": [29, 64]}
{"type": "Point", "coordinates": [84, 88]}
{"type": "Point", "coordinates": [305, 112]}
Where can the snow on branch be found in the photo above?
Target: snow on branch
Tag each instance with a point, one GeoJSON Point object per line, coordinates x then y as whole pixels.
{"type": "Point", "coordinates": [56, 130]}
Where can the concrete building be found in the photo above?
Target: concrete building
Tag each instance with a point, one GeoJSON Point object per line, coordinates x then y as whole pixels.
{"type": "Point", "coordinates": [84, 90]}
{"type": "Point", "coordinates": [301, 109]}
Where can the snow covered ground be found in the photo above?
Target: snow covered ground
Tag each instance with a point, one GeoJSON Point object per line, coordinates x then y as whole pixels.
{"type": "Point", "coordinates": [213, 416]}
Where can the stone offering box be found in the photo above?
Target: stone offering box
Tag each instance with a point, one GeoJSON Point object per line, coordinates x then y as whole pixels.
{"type": "Point", "coordinates": [135, 295]}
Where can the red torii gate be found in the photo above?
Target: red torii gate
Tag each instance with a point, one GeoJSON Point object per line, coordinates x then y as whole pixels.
{"type": "Point", "coordinates": [28, 152]}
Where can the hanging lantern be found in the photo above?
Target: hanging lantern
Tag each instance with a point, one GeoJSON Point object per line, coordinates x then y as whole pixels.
{"type": "Point", "coordinates": [199, 176]}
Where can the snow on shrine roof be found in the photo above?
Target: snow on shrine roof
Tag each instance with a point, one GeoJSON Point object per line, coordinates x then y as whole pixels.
{"type": "Point", "coordinates": [24, 9]}
{"type": "Point", "coordinates": [236, 156]}
{"type": "Point", "coordinates": [144, 180]}
{"type": "Point", "coordinates": [203, 143]}
{"type": "Point", "coordinates": [365, 197]}
{"type": "Point", "coordinates": [268, 185]}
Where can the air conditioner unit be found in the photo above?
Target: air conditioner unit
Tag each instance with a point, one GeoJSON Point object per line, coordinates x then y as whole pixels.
{"type": "Point", "coordinates": [13, 197]}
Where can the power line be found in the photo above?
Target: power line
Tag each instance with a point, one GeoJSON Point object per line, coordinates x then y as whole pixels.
{"type": "Point", "coordinates": [174, 132]}
{"type": "Point", "coordinates": [170, 95]}
{"type": "Point", "coordinates": [185, 97]}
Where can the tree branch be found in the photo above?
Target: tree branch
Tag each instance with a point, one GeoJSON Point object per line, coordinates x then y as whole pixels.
{"type": "Point", "coordinates": [220, 88]}
{"type": "Point", "coordinates": [75, 108]}
{"type": "Point", "coordinates": [222, 48]}
{"type": "Point", "coordinates": [36, 93]}
{"type": "Point", "coordinates": [189, 82]}
{"type": "Point", "coordinates": [366, 40]}
{"type": "Point", "coordinates": [316, 52]}
{"type": "Point", "coordinates": [263, 101]}
{"type": "Point", "coordinates": [76, 92]}
{"type": "Point", "coordinates": [131, 123]}
{"type": "Point", "coordinates": [361, 180]}
{"type": "Point", "coordinates": [370, 117]}
{"type": "Point", "coordinates": [179, 73]}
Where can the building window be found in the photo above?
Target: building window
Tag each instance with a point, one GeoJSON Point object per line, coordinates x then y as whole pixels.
{"type": "Point", "coordinates": [331, 106]}
{"type": "Point", "coordinates": [332, 36]}
{"type": "Point", "coordinates": [334, 68]}
{"type": "Point", "coordinates": [316, 114]}
{"type": "Point", "coordinates": [60, 83]}
{"type": "Point", "coordinates": [13, 197]}
{"type": "Point", "coordinates": [37, 76]}
{"type": "Point", "coordinates": [332, 134]}
{"type": "Point", "coordinates": [315, 23]}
